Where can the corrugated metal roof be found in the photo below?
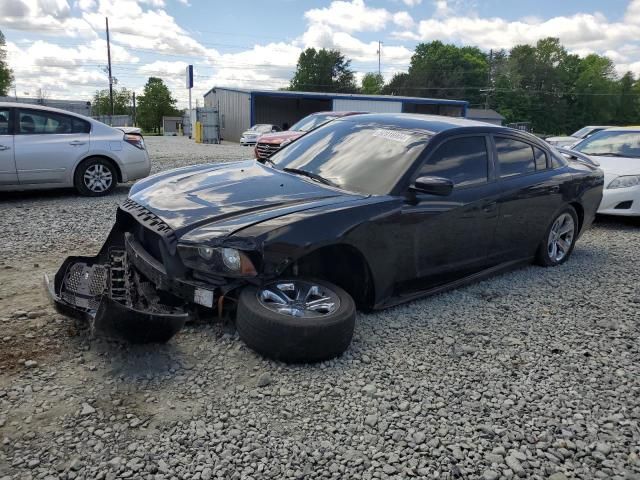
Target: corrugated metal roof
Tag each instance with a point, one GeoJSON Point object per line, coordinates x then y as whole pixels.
{"type": "Point", "coordinates": [355, 96]}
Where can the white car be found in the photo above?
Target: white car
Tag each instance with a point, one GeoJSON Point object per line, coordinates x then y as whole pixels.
{"type": "Point", "coordinates": [575, 137]}
{"type": "Point", "coordinates": [43, 147]}
{"type": "Point", "coordinates": [251, 136]}
{"type": "Point", "coordinates": [617, 150]}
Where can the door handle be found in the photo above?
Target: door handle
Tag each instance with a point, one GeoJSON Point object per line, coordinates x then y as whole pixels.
{"type": "Point", "coordinates": [77, 142]}
{"type": "Point", "coordinates": [4, 147]}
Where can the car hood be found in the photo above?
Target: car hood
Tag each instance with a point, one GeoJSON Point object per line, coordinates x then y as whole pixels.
{"type": "Point", "coordinates": [280, 137]}
{"type": "Point", "coordinates": [616, 166]}
{"type": "Point", "coordinates": [223, 198]}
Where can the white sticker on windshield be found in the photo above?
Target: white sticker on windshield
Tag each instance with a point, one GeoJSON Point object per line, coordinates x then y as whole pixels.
{"type": "Point", "coordinates": [394, 135]}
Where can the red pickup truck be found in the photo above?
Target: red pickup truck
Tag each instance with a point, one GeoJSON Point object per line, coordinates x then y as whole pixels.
{"type": "Point", "coordinates": [270, 143]}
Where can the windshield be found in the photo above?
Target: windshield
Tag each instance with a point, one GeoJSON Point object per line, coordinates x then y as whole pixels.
{"type": "Point", "coordinates": [368, 159]}
{"type": "Point", "coordinates": [310, 122]}
{"type": "Point", "coordinates": [583, 132]}
{"type": "Point", "coordinates": [612, 144]}
{"type": "Point", "coordinates": [260, 128]}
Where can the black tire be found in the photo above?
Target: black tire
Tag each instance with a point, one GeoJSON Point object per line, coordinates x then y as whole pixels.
{"type": "Point", "coordinates": [87, 165]}
{"type": "Point", "coordinates": [543, 256]}
{"type": "Point", "coordinates": [294, 339]}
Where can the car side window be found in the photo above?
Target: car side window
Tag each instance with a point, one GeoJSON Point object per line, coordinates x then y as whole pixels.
{"type": "Point", "coordinates": [40, 122]}
{"type": "Point", "coordinates": [4, 121]}
{"type": "Point", "coordinates": [464, 160]}
{"type": "Point", "coordinates": [514, 157]}
{"type": "Point", "coordinates": [541, 158]}
{"type": "Point", "coordinates": [80, 126]}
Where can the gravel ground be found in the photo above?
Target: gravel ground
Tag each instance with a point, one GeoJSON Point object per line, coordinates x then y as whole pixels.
{"type": "Point", "coordinates": [533, 374]}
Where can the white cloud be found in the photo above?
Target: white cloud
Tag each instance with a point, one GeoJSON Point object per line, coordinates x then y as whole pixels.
{"type": "Point", "coordinates": [150, 44]}
{"type": "Point", "coordinates": [51, 17]}
{"type": "Point", "coordinates": [403, 19]}
{"type": "Point", "coordinates": [442, 8]}
{"type": "Point", "coordinates": [61, 72]}
{"type": "Point", "coordinates": [353, 16]}
{"type": "Point", "coordinates": [578, 31]}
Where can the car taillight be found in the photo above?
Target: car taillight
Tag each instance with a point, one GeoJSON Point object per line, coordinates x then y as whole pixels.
{"type": "Point", "coordinates": [135, 140]}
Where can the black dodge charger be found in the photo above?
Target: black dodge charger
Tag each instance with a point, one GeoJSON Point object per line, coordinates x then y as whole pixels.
{"type": "Point", "coordinates": [367, 212]}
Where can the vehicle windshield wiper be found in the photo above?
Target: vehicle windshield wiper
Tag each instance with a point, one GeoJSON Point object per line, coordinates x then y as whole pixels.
{"type": "Point", "coordinates": [313, 176]}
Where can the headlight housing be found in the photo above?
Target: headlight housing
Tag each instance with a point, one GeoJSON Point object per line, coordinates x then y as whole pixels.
{"type": "Point", "coordinates": [217, 260]}
{"type": "Point", "coordinates": [625, 181]}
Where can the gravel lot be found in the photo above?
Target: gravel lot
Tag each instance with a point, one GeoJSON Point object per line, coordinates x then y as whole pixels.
{"type": "Point", "coordinates": [533, 374]}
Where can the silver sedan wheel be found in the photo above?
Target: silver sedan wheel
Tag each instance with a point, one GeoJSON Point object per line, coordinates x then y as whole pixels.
{"type": "Point", "coordinates": [298, 298]}
{"type": "Point", "coordinates": [98, 178]}
{"type": "Point", "coordinates": [561, 237]}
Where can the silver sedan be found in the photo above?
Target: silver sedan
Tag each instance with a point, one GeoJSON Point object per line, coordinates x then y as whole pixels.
{"type": "Point", "coordinates": [42, 147]}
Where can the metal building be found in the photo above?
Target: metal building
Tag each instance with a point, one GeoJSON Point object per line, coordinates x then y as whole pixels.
{"type": "Point", "coordinates": [482, 115]}
{"type": "Point", "coordinates": [171, 126]}
{"type": "Point", "coordinates": [239, 108]}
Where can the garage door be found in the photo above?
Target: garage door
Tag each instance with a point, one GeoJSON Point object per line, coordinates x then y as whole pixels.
{"type": "Point", "coordinates": [349, 105]}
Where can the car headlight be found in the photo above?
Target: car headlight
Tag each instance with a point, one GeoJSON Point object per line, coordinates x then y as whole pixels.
{"type": "Point", "coordinates": [217, 260]}
{"type": "Point", "coordinates": [286, 142]}
{"type": "Point", "coordinates": [625, 181]}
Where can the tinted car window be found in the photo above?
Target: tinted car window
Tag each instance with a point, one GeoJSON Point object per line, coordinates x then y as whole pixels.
{"type": "Point", "coordinates": [365, 158]}
{"type": "Point", "coordinates": [39, 122]}
{"type": "Point", "coordinates": [464, 160]}
{"type": "Point", "coordinates": [541, 158]}
{"type": "Point", "coordinates": [4, 121]}
{"type": "Point", "coordinates": [514, 157]}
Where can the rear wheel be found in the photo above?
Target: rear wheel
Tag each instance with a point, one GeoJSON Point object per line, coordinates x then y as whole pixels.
{"type": "Point", "coordinates": [296, 320]}
{"type": "Point", "coordinates": [559, 240]}
{"type": "Point", "coordinates": [95, 177]}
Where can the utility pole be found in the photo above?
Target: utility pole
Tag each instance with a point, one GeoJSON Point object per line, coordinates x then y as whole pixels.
{"type": "Point", "coordinates": [489, 88]}
{"type": "Point", "coordinates": [134, 109]}
{"type": "Point", "coordinates": [110, 77]}
{"type": "Point", "coordinates": [379, 54]}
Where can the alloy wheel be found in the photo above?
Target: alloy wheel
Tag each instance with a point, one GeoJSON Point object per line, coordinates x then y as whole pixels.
{"type": "Point", "coordinates": [98, 178]}
{"type": "Point", "coordinates": [561, 237]}
{"type": "Point", "coordinates": [299, 298]}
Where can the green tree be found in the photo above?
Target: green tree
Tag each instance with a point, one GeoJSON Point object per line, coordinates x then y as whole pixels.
{"type": "Point", "coordinates": [592, 93]}
{"type": "Point", "coordinates": [323, 71]}
{"type": "Point", "coordinates": [101, 104]}
{"type": "Point", "coordinates": [397, 85]}
{"type": "Point", "coordinates": [155, 102]}
{"type": "Point", "coordinates": [372, 83]}
{"type": "Point", "coordinates": [627, 111]}
{"type": "Point", "coordinates": [6, 74]}
{"type": "Point", "coordinates": [447, 71]}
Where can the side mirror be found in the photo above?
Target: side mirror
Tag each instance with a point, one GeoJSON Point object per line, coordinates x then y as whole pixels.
{"type": "Point", "coordinates": [433, 186]}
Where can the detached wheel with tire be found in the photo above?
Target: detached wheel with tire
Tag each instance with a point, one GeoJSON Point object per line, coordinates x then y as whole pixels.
{"type": "Point", "coordinates": [559, 240]}
{"type": "Point", "coordinates": [296, 320]}
{"type": "Point", "coordinates": [95, 177]}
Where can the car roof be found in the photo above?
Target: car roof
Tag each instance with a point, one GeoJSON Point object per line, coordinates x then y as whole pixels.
{"type": "Point", "coordinates": [35, 106]}
{"type": "Point", "coordinates": [630, 128]}
{"type": "Point", "coordinates": [334, 113]}
{"type": "Point", "coordinates": [417, 121]}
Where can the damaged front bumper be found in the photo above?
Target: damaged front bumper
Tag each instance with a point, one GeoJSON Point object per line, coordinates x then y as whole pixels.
{"type": "Point", "coordinates": [124, 292]}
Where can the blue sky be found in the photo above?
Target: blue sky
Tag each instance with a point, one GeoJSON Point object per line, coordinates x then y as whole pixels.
{"type": "Point", "coordinates": [58, 46]}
